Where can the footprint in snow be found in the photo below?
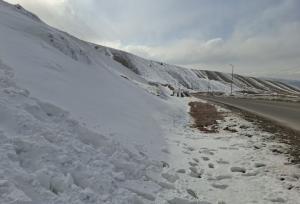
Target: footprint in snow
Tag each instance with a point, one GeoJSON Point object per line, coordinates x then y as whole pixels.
{"type": "Point", "coordinates": [193, 169]}
{"type": "Point", "coordinates": [222, 177]}
{"type": "Point", "coordinates": [192, 193]}
{"type": "Point", "coordinates": [233, 148]}
{"type": "Point", "coordinates": [181, 171]}
{"type": "Point", "coordinates": [219, 186]}
{"type": "Point", "coordinates": [165, 150]}
{"type": "Point", "coordinates": [195, 173]}
{"type": "Point", "coordinates": [170, 177]}
{"type": "Point", "coordinates": [207, 151]}
{"type": "Point", "coordinates": [211, 165]}
{"type": "Point", "coordinates": [165, 164]}
{"type": "Point", "coordinates": [193, 164]}
{"type": "Point", "coordinates": [196, 160]}
{"type": "Point", "coordinates": [205, 158]}
{"type": "Point", "coordinates": [250, 173]}
{"type": "Point", "coordinates": [177, 200]}
{"type": "Point", "coordinates": [277, 200]}
{"type": "Point", "coordinates": [166, 185]}
{"type": "Point", "coordinates": [189, 148]}
{"type": "Point", "coordinates": [258, 165]}
{"type": "Point", "coordinates": [221, 161]}
{"type": "Point", "coordinates": [186, 152]}
{"type": "Point", "coordinates": [238, 169]}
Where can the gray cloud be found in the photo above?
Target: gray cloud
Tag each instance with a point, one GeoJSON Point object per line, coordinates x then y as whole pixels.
{"type": "Point", "coordinates": [260, 37]}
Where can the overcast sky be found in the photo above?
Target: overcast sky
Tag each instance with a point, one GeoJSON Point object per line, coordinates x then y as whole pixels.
{"type": "Point", "coordinates": [260, 37]}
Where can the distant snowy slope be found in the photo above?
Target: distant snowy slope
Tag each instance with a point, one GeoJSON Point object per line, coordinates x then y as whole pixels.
{"type": "Point", "coordinates": [295, 83]}
{"type": "Point", "coordinates": [163, 73]}
{"type": "Point", "coordinates": [198, 80]}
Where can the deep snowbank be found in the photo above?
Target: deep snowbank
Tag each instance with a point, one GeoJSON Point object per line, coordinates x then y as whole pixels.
{"type": "Point", "coordinates": [70, 124]}
{"type": "Point", "coordinates": [72, 75]}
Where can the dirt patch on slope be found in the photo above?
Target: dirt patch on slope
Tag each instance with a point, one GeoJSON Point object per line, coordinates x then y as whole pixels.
{"type": "Point", "coordinates": [205, 116]}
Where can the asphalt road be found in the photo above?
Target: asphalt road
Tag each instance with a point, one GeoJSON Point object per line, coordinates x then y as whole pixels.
{"type": "Point", "coordinates": [285, 113]}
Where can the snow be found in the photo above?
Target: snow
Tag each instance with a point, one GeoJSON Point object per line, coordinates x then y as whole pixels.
{"type": "Point", "coordinates": [177, 77]}
{"type": "Point", "coordinates": [229, 152]}
{"type": "Point", "coordinates": [53, 77]}
{"type": "Point", "coordinates": [78, 127]}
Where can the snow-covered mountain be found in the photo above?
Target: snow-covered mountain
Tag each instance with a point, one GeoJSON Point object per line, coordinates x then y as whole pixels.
{"type": "Point", "coordinates": [82, 123]}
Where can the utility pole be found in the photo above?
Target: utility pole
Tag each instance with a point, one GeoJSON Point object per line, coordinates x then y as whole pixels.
{"type": "Point", "coordinates": [208, 86]}
{"type": "Point", "coordinates": [232, 67]}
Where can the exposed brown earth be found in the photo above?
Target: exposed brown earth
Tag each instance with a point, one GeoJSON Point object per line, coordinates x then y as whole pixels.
{"type": "Point", "coordinates": [205, 116]}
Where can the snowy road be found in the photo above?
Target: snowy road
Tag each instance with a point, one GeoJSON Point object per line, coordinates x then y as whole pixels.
{"type": "Point", "coordinates": [285, 113]}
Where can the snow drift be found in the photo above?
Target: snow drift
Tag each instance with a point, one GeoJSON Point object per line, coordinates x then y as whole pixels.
{"type": "Point", "coordinates": [70, 125]}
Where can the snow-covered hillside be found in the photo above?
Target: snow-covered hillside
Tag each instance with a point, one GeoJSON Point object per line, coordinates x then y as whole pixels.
{"type": "Point", "coordinates": [295, 83]}
{"type": "Point", "coordinates": [67, 118]}
{"type": "Point", "coordinates": [56, 67]}
{"type": "Point", "coordinates": [82, 123]}
{"type": "Point", "coordinates": [198, 80]}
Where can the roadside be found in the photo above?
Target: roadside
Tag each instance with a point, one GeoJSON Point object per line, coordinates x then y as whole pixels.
{"type": "Point", "coordinates": [285, 113]}
{"type": "Point", "coordinates": [279, 132]}
{"type": "Point", "coordinates": [292, 98]}
{"type": "Point", "coordinates": [234, 164]}
{"type": "Point", "coordinates": [205, 116]}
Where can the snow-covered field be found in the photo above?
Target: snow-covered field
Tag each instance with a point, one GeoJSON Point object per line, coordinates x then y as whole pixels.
{"type": "Point", "coordinates": [78, 127]}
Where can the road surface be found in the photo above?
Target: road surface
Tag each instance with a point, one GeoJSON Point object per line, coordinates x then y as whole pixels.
{"type": "Point", "coordinates": [285, 113]}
